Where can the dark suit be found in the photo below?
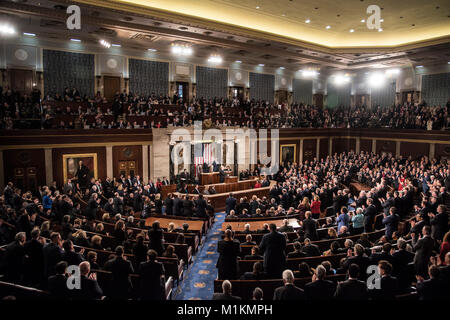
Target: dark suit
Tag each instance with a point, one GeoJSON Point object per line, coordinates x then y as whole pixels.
{"type": "Point", "coordinates": [289, 292]}
{"type": "Point", "coordinates": [230, 204]}
{"type": "Point", "coordinates": [391, 223]}
{"type": "Point", "coordinates": [89, 290]}
{"type": "Point", "coordinates": [309, 227]}
{"type": "Point", "coordinates": [14, 259]}
{"type": "Point", "coordinates": [227, 262]}
{"type": "Point", "coordinates": [431, 289]}
{"type": "Point", "coordinates": [52, 255]}
{"type": "Point", "coordinates": [57, 286]}
{"type": "Point", "coordinates": [72, 258]}
{"type": "Point", "coordinates": [121, 283]}
{"type": "Point", "coordinates": [200, 205]}
{"type": "Point", "coordinates": [351, 289]}
{"type": "Point", "coordinates": [320, 290]}
{"type": "Point", "coordinates": [439, 226]}
{"type": "Point", "coordinates": [424, 249]}
{"type": "Point", "coordinates": [388, 289]}
{"type": "Point", "coordinates": [273, 247]}
{"type": "Point", "coordinates": [369, 218]}
{"type": "Point", "coordinates": [151, 286]}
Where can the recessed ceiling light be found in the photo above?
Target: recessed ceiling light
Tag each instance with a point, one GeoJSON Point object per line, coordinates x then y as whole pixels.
{"type": "Point", "coordinates": [327, 27]}
{"type": "Point", "coordinates": [419, 66]}
{"type": "Point", "coordinates": [352, 30]}
{"type": "Point", "coordinates": [282, 68]}
{"type": "Point", "coordinates": [363, 20]}
{"type": "Point", "coordinates": [29, 34]}
{"type": "Point", "coordinates": [381, 29]}
{"type": "Point", "coordinates": [381, 20]}
{"type": "Point", "coordinates": [116, 45]}
{"type": "Point", "coordinates": [448, 62]}
{"type": "Point", "coordinates": [257, 7]}
{"type": "Point", "coordinates": [238, 61]}
{"type": "Point", "coordinates": [105, 43]}
{"type": "Point", "coordinates": [152, 50]}
{"type": "Point", "coordinates": [7, 29]}
{"type": "Point", "coordinates": [75, 40]}
{"type": "Point", "coordinates": [261, 64]}
{"type": "Point", "coordinates": [307, 21]}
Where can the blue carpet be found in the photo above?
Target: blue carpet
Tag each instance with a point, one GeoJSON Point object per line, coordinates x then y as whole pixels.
{"type": "Point", "coordinates": [198, 280]}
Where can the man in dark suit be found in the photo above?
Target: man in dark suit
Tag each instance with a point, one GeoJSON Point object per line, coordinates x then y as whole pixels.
{"type": "Point", "coordinates": [310, 249]}
{"type": "Point", "coordinates": [319, 288]}
{"type": "Point", "coordinates": [176, 205]}
{"type": "Point", "coordinates": [89, 288]}
{"type": "Point", "coordinates": [273, 247]}
{"type": "Point", "coordinates": [82, 174]}
{"type": "Point", "coordinates": [391, 221]}
{"type": "Point", "coordinates": [388, 285]}
{"type": "Point", "coordinates": [352, 288]}
{"type": "Point", "coordinates": [424, 249]}
{"type": "Point", "coordinates": [309, 226]}
{"type": "Point", "coordinates": [168, 204]}
{"type": "Point", "coordinates": [184, 176]}
{"type": "Point", "coordinates": [14, 258]}
{"type": "Point", "coordinates": [254, 254]}
{"type": "Point", "coordinates": [200, 207]}
{"type": "Point", "coordinates": [151, 278]}
{"type": "Point", "coordinates": [57, 284]}
{"type": "Point", "coordinates": [388, 203]}
{"type": "Point", "coordinates": [256, 274]}
{"type": "Point", "coordinates": [221, 175]}
{"type": "Point", "coordinates": [369, 215]}
{"type": "Point", "coordinates": [53, 253]}
{"type": "Point", "coordinates": [70, 256]}
{"type": "Point", "coordinates": [230, 203]}
{"type": "Point", "coordinates": [402, 259]}
{"type": "Point", "coordinates": [359, 258]}
{"type": "Point", "coordinates": [121, 270]}
{"type": "Point", "coordinates": [439, 223]}
{"type": "Point", "coordinates": [188, 206]}
{"type": "Point", "coordinates": [433, 288]}
{"type": "Point", "coordinates": [289, 291]}
{"type": "Point", "coordinates": [35, 263]}
{"type": "Point", "coordinates": [227, 293]}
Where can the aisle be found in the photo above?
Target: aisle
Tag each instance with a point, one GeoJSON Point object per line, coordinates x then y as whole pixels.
{"type": "Point", "coordinates": [198, 283]}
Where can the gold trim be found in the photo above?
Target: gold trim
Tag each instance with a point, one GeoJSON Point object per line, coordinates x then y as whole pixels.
{"type": "Point", "coordinates": [288, 145]}
{"type": "Point", "coordinates": [78, 155]}
{"type": "Point", "coordinates": [72, 145]}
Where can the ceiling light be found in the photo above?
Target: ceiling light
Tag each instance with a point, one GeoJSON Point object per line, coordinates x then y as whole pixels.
{"type": "Point", "coordinates": [29, 34]}
{"type": "Point", "coordinates": [152, 50]}
{"type": "Point", "coordinates": [215, 59]}
{"type": "Point", "coordinates": [282, 68]}
{"type": "Point", "coordinates": [376, 80]}
{"type": "Point", "coordinates": [183, 50]}
{"type": "Point", "coordinates": [283, 15]}
{"type": "Point", "coordinates": [381, 20]}
{"type": "Point", "coordinates": [75, 40]}
{"type": "Point", "coordinates": [381, 29]}
{"type": "Point", "coordinates": [257, 7]}
{"type": "Point", "coordinates": [363, 20]}
{"type": "Point", "coordinates": [7, 29]}
{"type": "Point", "coordinates": [238, 61]}
{"type": "Point", "coordinates": [115, 45]}
{"type": "Point", "coordinates": [309, 73]}
{"type": "Point", "coordinates": [307, 21]}
{"type": "Point", "coordinates": [392, 71]}
{"type": "Point", "coordinates": [261, 64]}
{"type": "Point", "coordinates": [340, 79]}
{"type": "Point", "coordinates": [419, 66]}
{"type": "Point", "coordinates": [105, 43]}
{"type": "Point", "coordinates": [352, 30]}
{"type": "Point", "coordinates": [327, 27]}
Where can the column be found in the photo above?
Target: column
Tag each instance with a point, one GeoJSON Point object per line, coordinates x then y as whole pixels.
{"type": "Point", "coordinates": [374, 146]}
{"type": "Point", "coordinates": [109, 162]}
{"type": "Point", "coordinates": [358, 145]}
{"type": "Point", "coordinates": [397, 148]}
{"type": "Point", "coordinates": [317, 148]}
{"type": "Point", "coordinates": [49, 166]}
{"type": "Point", "coordinates": [431, 156]}
{"type": "Point", "coordinates": [2, 170]}
{"type": "Point", "coordinates": [330, 146]}
{"type": "Point", "coordinates": [301, 152]}
{"type": "Point", "coordinates": [145, 163]}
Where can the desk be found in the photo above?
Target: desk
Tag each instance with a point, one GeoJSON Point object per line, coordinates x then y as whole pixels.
{"type": "Point", "coordinates": [231, 179]}
{"type": "Point", "coordinates": [209, 178]}
{"type": "Point", "coordinates": [194, 225]}
{"type": "Point", "coordinates": [258, 225]}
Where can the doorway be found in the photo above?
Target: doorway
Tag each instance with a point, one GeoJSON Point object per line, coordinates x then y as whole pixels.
{"type": "Point", "coordinates": [182, 89]}
{"type": "Point", "coordinates": [127, 168]}
{"type": "Point", "coordinates": [408, 96]}
{"type": "Point", "coordinates": [21, 80]}
{"type": "Point", "coordinates": [282, 96]}
{"type": "Point", "coordinates": [111, 85]}
{"type": "Point", "coordinates": [318, 100]}
{"type": "Point", "coordinates": [238, 92]}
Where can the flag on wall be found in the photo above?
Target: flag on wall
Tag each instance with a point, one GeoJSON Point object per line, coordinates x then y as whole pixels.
{"type": "Point", "coordinates": [206, 156]}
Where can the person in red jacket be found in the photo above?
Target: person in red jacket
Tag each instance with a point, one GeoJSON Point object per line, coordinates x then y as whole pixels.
{"type": "Point", "coordinates": [315, 207]}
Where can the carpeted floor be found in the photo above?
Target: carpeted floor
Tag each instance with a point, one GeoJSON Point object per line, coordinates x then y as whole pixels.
{"type": "Point", "coordinates": [198, 280]}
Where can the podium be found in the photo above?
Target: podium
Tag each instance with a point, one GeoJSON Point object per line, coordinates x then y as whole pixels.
{"type": "Point", "coordinates": [209, 178]}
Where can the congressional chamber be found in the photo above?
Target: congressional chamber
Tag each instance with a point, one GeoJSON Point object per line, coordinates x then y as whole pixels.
{"type": "Point", "coordinates": [262, 151]}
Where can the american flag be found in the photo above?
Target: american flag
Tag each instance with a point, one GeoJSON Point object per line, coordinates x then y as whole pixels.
{"type": "Point", "coordinates": [205, 156]}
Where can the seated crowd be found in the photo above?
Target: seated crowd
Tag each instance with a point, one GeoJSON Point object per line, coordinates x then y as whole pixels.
{"type": "Point", "coordinates": [158, 111]}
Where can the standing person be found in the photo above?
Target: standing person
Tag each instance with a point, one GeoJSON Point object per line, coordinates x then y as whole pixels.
{"type": "Point", "coordinates": [273, 247]}
{"type": "Point", "coordinates": [391, 222]}
{"type": "Point", "coordinates": [151, 278]}
{"type": "Point", "coordinates": [369, 215]}
{"type": "Point", "coordinates": [424, 249]}
{"type": "Point", "coordinates": [82, 174]}
{"type": "Point", "coordinates": [315, 207]}
{"type": "Point", "coordinates": [156, 238]}
{"type": "Point", "coordinates": [121, 269]}
{"type": "Point", "coordinates": [229, 250]}
{"type": "Point", "coordinates": [358, 221]}
{"type": "Point", "coordinates": [230, 203]}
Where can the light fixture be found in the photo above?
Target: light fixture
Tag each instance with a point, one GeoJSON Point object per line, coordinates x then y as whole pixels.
{"type": "Point", "coordinates": [381, 20]}
{"type": "Point", "coordinates": [392, 71]}
{"type": "Point", "coordinates": [7, 30]}
{"type": "Point", "coordinates": [309, 73]}
{"type": "Point", "coordinates": [257, 7]}
{"type": "Point", "coordinates": [419, 66]}
{"type": "Point", "coordinates": [181, 49]}
{"type": "Point", "coordinates": [376, 80]}
{"type": "Point", "coordinates": [363, 20]}
{"type": "Point", "coordinates": [75, 40]}
{"type": "Point", "coordinates": [215, 58]}
{"type": "Point", "coordinates": [29, 34]}
{"type": "Point", "coordinates": [307, 21]}
{"type": "Point", "coordinates": [261, 65]}
{"type": "Point", "coordinates": [238, 61]}
{"type": "Point", "coordinates": [327, 27]}
{"type": "Point", "coordinates": [340, 79]}
{"type": "Point", "coordinates": [352, 30]}
{"type": "Point", "coordinates": [105, 43]}
{"type": "Point", "coordinates": [381, 29]}
{"type": "Point", "coordinates": [282, 68]}
{"type": "Point", "coordinates": [152, 50]}
{"type": "Point", "coordinates": [115, 45]}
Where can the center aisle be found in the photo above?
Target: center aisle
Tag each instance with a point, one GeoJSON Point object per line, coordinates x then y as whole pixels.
{"type": "Point", "coordinates": [198, 281]}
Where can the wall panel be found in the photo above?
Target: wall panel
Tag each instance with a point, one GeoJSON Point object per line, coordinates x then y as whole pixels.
{"type": "Point", "coordinates": [148, 77]}
{"type": "Point", "coordinates": [211, 82]}
{"type": "Point", "coordinates": [262, 86]}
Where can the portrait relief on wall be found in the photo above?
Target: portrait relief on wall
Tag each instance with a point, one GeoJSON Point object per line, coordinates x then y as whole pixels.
{"type": "Point", "coordinates": [80, 168]}
{"type": "Point", "coordinates": [288, 153]}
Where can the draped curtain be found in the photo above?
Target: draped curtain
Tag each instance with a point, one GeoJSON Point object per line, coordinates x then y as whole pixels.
{"type": "Point", "coordinates": [302, 91]}
{"type": "Point", "coordinates": [211, 82]}
{"type": "Point", "coordinates": [262, 86]}
{"type": "Point", "coordinates": [148, 77]}
{"type": "Point", "coordinates": [436, 89]}
{"type": "Point", "coordinates": [383, 96]}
